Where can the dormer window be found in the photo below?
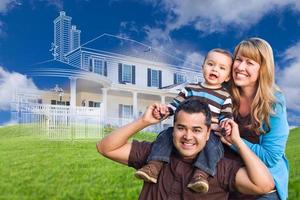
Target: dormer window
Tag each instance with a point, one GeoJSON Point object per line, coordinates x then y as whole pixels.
{"type": "Point", "coordinates": [98, 66]}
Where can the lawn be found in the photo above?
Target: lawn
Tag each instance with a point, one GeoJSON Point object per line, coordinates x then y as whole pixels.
{"type": "Point", "coordinates": [35, 168]}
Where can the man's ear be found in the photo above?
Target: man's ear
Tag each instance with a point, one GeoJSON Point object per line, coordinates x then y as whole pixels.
{"type": "Point", "coordinates": [208, 133]}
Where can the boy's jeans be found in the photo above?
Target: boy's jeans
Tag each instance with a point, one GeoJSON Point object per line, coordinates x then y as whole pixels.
{"type": "Point", "coordinates": [206, 160]}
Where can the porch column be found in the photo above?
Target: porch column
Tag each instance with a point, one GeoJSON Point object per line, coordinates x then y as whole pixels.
{"type": "Point", "coordinates": [162, 99]}
{"type": "Point", "coordinates": [135, 108]}
{"type": "Point", "coordinates": [73, 92]}
{"type": "Point", "coordinates": [104, 102]}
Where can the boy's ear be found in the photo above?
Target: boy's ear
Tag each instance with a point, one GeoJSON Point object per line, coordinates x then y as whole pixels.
{"type": "Point", "coordinates": [228, 78]}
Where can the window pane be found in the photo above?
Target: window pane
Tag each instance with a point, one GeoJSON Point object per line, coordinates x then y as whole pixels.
{"type": "Point", "coordinates": [127, 73]}
{"type": "Point", "coordinates": [180, 78]}
{"type": "Point", "coordinates": [127, 111]}
{"type": "Point", "coordinates": [98, 67]}
{"type": "Point", "coordinates": [154, 78]}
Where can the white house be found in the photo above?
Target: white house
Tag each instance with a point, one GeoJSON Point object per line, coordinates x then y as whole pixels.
{"type": "Point", "coordinates": [118, 76]}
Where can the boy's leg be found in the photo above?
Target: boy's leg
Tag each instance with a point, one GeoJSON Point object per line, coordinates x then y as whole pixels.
{"type": "Point", "coordinates": [206, 164]}
{"type": "Point", "coordinates": [160, 152]}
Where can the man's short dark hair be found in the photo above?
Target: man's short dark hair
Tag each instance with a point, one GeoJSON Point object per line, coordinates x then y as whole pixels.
{"type": "Point", "coordinates": [194, 105]}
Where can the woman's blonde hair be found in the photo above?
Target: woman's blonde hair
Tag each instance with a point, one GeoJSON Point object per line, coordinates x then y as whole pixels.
{"type": "Point", "coordinates": [261, 52]}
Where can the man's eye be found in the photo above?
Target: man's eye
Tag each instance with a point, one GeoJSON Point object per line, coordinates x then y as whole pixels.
{"type": "Point", "coordinates": [197, 131]}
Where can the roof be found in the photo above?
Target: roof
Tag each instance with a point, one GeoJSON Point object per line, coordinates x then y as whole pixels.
{"type": "Point", "coordinates": [127, 47]}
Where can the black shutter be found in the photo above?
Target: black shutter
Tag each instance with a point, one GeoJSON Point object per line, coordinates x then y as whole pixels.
{"type": "Point", "coordinates": [159, 78]}
{"type": "Point", "coordinates": [105, 68]}
{"type": "Point", "coordinates": [133, 74]}
{"type": "Point", "coordinates": [149, 78]}
{"type": "Point", "coordinates": [120, 73]}
{"type": "Point", "coordinates": [90, 64]}
{"type": "Point", "coordinates": [175, 78]}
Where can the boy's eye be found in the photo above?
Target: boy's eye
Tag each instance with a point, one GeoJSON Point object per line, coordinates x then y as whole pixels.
{"type": "Point", "coordinates": [209, 64]}
{"type": "Point", "coordinates": [222, 68]}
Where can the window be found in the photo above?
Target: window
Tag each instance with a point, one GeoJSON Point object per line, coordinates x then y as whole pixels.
{"type": "Point", "coordinates": [61, 103]}
{"type": "Point", "coordinates": [198, 79]}
{"type": "Point", "coordinates": [98, 66]}
{"type": "Point", "coordinates": [154, 78]}
{"type": "Point", "coordinates": [126, 73]}
{"type": "Point", "coordinates": [179, 78]}
{"type": "Point", "coordinates": [94, 104]}
{"type": "Point", "coordinates": [125, 111]}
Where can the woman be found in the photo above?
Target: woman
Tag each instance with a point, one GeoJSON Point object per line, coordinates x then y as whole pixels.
{"type": "Point", "coordinates": [260, 111]}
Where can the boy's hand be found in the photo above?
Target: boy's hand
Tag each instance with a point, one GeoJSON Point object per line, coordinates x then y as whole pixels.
{"type": "Point", "coordinates": [161, 111]}
{"type": "Point", "coordinates": [149, 116]}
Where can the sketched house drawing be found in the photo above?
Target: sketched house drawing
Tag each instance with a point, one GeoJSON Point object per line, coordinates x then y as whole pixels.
{"type": "Point", "coordinates": [115, 77]}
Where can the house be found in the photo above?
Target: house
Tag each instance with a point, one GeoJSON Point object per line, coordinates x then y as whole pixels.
{"type": "Point", "coordinates": [119, 76]}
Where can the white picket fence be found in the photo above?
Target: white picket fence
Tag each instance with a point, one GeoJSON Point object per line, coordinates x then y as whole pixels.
{"type": "Point", "coordinates": [60, 122]}
{"type": "Point", "coordinates": [65, 122]}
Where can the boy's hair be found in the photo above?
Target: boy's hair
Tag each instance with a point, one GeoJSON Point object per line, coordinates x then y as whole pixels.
{"type": "Point", "coordinates": [219, 50]}
{"type": "Point", "coordinates": [194, 105]}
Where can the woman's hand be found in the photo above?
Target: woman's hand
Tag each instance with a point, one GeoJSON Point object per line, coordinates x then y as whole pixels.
{"type": "Point", "coordinates": [231, 132]}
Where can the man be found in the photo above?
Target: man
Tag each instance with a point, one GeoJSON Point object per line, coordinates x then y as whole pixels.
{"type": "Point", "coordinates": [191, 131]}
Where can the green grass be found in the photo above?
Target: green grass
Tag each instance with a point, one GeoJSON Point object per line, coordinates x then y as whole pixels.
{"type": "Point", "coordinates": [35, 168]}
{"type": "Point", "coordinates": [293, 154]}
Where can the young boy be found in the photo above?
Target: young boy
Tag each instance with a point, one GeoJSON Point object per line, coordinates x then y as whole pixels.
{"type": "Point", "coordinates": [216, 70]}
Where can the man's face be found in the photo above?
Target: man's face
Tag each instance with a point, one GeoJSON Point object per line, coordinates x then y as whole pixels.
{"type": "Point", "coordinates": [190, 134]}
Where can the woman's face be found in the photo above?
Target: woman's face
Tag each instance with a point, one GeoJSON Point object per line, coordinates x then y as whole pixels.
{"type": "Point", "coordinates": [245, 71]}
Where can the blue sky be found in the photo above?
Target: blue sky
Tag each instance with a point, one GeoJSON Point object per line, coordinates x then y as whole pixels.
{"type": "Point", "coordinates": [185, 28]}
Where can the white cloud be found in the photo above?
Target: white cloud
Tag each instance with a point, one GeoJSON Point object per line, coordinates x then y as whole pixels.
{"type": "Point", "coordinates": [217, 15]}
{"type": "Point", "coordinates": [5, 5]}
{"type": "Point", "coordinates": [193, 58]}
{"type": "Point", "coordinates": [9, 83]}
{"type": "Point", "coordinates": [288, 78]}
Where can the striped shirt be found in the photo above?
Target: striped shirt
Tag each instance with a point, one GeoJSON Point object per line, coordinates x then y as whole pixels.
{"type": "Point", "coordinates": [218, 100]}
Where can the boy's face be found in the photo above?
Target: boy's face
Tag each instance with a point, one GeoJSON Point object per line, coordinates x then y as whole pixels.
{"type": "Point", "coordinates": [190, 134]}
{"type": "Point", "coordinates": [216, 69]}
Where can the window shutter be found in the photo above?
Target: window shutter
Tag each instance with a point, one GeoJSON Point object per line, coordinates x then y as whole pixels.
{"type": "Point", "coordinates": [175, 78]}
{"type": "Point", "coordinates": [149, 78]}
{"type": "Point", "coordinates": [133, 74]}
{"type": "Point", "coordinates": [159, 78]}
{"type": "Point", "coordinates": [105, 68]}
{"type": "Point", "coordinates": [90, 64]}
{"type": "Point", "coordinates": [120, 111]}
{"type": "Point", "coordinates": [120, 73]}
